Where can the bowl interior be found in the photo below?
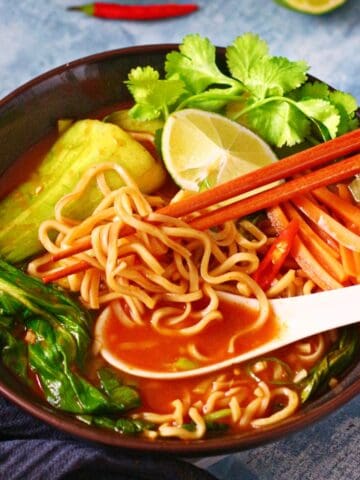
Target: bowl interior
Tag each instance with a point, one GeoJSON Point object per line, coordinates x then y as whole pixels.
{"type": "Point", "coordinates": [76, 90]}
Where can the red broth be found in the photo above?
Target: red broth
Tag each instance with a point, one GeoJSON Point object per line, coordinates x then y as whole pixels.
{"type": "Point", "coordinates": [142, 346]}
{"type": "Point", "coordinates": [162, 351]}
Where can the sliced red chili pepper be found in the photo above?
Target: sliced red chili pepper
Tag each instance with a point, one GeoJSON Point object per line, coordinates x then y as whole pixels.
{"type": "Point", "coordinates": [275, 257]}
{"type": "Point", "coordinates": [114, 11]}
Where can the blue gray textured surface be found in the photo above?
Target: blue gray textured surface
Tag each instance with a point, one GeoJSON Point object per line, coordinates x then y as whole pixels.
{"type": "Point", "coordinates": [37, 35]}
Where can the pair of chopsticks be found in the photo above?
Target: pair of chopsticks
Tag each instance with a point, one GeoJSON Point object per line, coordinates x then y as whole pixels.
{"type": "Point", "coordinates": [293, 165]}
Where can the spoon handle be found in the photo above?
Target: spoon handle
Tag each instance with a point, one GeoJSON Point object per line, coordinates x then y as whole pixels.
{"type": "Point", "coordinates": [307, 315]}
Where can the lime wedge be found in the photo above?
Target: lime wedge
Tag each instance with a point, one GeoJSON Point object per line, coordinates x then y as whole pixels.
{"type": "Point", "coordinates": [202, 149]}
{"type": "Point", "coordinates": [313, 7]}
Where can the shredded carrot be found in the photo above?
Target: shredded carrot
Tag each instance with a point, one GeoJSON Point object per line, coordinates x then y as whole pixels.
{"type": "Point", "coordinates": [303, 257]}
{"type": "Point", "coordinates": [357, 265]}
{"type": "Point", "coordinates": [341, 206]}
{"type": "Point", "coordinates": [332, 227]}
{"type": "Point", "coordinates": [321, 251]}
{"type": "Point", "coordinates": [344, 192]}
{"type": "Point", "coordinates": [299, 162]}
{"type": "Point", "coordinates": [350, 259]}
{"type": "Point", "coordinates": [65, 271]}
{"type": "Point", "coordinates": [287, 190]}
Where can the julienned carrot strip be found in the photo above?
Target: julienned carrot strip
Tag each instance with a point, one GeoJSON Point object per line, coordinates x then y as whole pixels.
{"type": "Point", "coordinates": [303, 184]}
{"type": "Point", "coordinates": [343, 208]}
{"type": "Point", "coordinates": [319, 231]}
{"type": "Point", "coordinates": [344, 192]}
{"type": "Point", "coordinates": [77, 247]}
{"type": "Point", "coordinates": [307, 230]}
{"type": "Point", "coordinates": [350, 259]}
{"type": "Point", "coordinates": [336, 230]}
{"type": "Point", "coordinates": [321, 251]}
{"type": "Point", "coordinates": [65, 271]}
{"type": "Point", "coordinates": [303, 257]}
{"type": "Point", "coordinates": [325, 237]}
{"type": "Point", "coordinates": [83, 245]}
{"type": "Point", "coordinates": [347, 260]}
{"type": "Point", "coordinates": [357, 265]}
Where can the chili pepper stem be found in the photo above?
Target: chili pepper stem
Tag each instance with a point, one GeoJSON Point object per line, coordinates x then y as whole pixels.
{"type": "Point", "coordinates": [88, 9]}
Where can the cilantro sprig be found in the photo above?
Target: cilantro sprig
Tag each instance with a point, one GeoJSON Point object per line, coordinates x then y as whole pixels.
{"type": "Point", "coordinates": [271, 95]}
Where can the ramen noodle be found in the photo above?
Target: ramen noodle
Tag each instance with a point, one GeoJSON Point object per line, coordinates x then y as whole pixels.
{"type": "Point", "coordinates": [154, 282]}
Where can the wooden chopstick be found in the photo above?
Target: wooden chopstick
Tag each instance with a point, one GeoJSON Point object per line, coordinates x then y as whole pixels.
{"type": "Point", "coordinates": [300, 185]}
{"type": "Point", "coordinates": [310, 158]}
{"type": "Point", "coordinates": [291, 189]}
{"type": "Point", "coordinates": [292, 165]}
{"type": "Point", "coordinates": [301, 161]}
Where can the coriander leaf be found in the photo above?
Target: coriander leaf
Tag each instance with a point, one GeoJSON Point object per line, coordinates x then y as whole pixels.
{"type": "Point", "coordinates": [276, 76]}
{"type": "Point", "coordinates": [347, 101]}
{"type": "Point", "coordinates": [311, 90]}
{"type": "Point", "coordinates": [195, 65]}
{"type": "Point", "coordinates": [263, 75]}
{"type": "Point", "coordinates": [213, 100]}
{"type": "Point", "coordinates": [346, 105]}
{"type": "Point", "coordinates": [144, 112]}
{"type": "Point", "coordinates": [244, 53]}
{"type": "Point", "coordinates": [152, 95]}
{"type": "Point", "coordinates": [279, 123]}
{"type": "Point", "coordinates": [324, 113]}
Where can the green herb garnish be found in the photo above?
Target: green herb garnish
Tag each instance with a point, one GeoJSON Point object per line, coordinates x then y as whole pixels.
{"type": "Point", "coordinates": [269, 94]}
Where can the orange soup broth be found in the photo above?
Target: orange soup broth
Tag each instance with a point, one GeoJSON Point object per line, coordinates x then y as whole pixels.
{"type": "Point", "coordinates": [158, 395]}
{"type": "Point", "coordinates": [144, 347]}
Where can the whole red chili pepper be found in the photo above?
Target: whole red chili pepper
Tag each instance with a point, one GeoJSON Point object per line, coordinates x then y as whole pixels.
{"type": "Point", "coordinates": [116, 11]}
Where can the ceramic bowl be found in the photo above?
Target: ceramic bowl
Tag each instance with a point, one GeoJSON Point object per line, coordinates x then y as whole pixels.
{"type": "Point", "coordinates": [75, 90]}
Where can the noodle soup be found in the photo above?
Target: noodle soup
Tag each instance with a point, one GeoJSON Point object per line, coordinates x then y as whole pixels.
{"type": "Point", "coordinates": [171, 319]}
{"type": "Point", "coordinates": [153, 301]}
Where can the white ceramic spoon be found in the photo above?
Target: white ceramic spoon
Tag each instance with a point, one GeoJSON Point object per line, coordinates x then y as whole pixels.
{"type": "Point", "coordinates": [298, 318]}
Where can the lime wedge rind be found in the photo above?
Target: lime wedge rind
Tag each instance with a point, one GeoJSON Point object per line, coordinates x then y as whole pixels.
{"type": "Point", "coordinates": [312, 7]}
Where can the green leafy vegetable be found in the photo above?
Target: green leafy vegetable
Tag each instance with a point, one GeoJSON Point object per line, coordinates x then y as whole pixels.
{"type": "Point", "coordinates": [60, 337]}
{"type": "Point", "coordinates": [263, 75]}
{"type": "Point", "coordinates": [127, 426]}
{"type": "Point", "coordinates": [333, 364]}
{"type": "Point", "coordinates": [123, 396]}
{"type": "Point", "coordinates": [344, 104]}
{"type": "Point", "coordinates": [271, 95]}
{"type": "Point", "coordinates": [153, 96]}
{"type": "Point", "coordinates": [13, 353]}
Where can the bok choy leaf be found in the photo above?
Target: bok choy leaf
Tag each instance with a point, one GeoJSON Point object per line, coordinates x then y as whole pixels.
{"type": "Point", "coordinates": [335, 362]}
{"type": "Point", "coordinates": [58, 331]}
